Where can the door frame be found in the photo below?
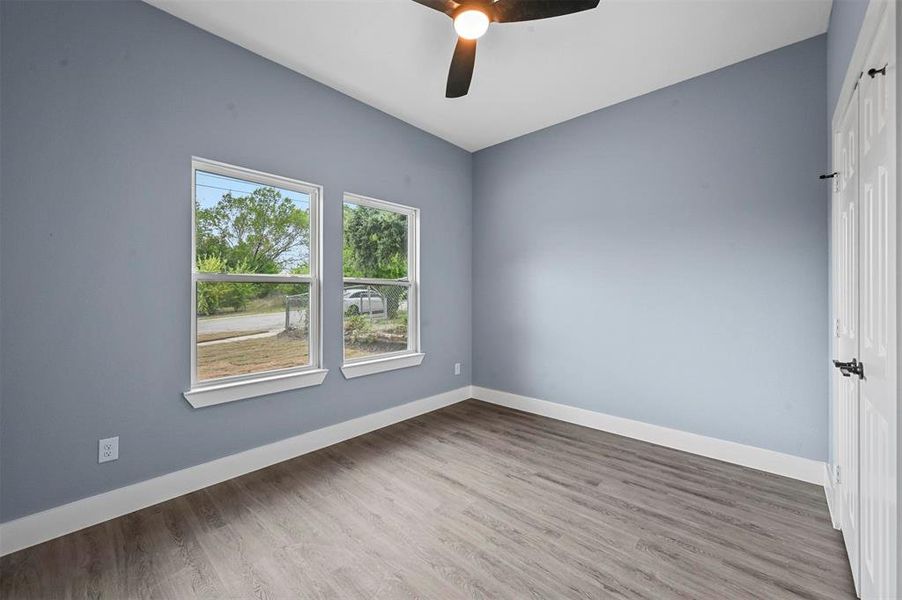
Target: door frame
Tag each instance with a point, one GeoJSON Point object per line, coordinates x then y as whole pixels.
{"type": "Point", "coordinates": [845, 240]}
{"type": "Point", "coordinates": [877, 11]}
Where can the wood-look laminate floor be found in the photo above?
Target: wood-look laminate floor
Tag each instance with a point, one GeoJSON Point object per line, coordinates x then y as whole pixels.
{"type": "Point", "coordinates": [471, 501]}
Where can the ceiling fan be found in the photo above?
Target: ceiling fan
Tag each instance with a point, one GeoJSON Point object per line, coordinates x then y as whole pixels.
{"type": "Point", "coordinates": [471, 21]}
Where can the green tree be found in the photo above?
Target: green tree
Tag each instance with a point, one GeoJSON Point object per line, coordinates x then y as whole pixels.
{"type": "Point", "coordinates": [375, 243]}
{"type": "Point", "coordinates": [264, 232]}
{"type": "Point", "coordinates": [213, 296]}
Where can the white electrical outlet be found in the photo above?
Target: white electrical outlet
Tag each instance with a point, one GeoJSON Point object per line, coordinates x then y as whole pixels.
{"type": "Point", "coordinates": [457, 368]}
{"type": "Point", "coordinates": [108, 449]}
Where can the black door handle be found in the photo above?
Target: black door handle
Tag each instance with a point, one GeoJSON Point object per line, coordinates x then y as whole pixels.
{"type": "Point", "coordinates": [850, 368]}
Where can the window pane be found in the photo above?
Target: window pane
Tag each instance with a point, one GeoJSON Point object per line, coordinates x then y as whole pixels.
{"type": "Point", "coordinates": [375, 319]}
{"type": "Point", "coordinates": [375, 243]}
{"type": "Point", "coordinates": [246, 227]}
{"type": "Point", "coordinates": [247, 328]}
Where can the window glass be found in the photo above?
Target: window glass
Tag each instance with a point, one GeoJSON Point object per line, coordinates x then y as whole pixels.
{"type": "Point", "coordinates": [375, 243]}
{"type": "Point", "coordinates": [246, 227]}
{"type": "Point", "coordinates": [375, 320]}
{"type": "Point", "coordinates": [255, 280]}
{"type": "Point", "coordinates": [378, 303]}
{"type": "Point", "coordinates": [247, 328]}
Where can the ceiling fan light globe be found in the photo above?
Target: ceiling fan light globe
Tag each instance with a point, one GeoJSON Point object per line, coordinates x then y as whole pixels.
{"type": "Point", "coordinates": [471, 24]}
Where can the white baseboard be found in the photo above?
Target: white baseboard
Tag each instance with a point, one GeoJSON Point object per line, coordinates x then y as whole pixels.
{"type": "Point", "coordinates": [55, 522]}
{"type": "Point", "coordinates": [787, 465]}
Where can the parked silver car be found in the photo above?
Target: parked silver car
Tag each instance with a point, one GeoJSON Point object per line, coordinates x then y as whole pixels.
{"type": "Point", "coordinates": [363, 300]}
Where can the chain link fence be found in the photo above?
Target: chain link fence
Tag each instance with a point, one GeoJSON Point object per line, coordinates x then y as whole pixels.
{"type": "Point", "coordinates": [297, 309]}
{"type": "Point", "coordinates": [375, 319]}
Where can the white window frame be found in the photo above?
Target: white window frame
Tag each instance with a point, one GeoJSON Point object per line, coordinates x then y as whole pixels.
{"type": "Point", "coordinates": [228, 389]}
{"type": "Point", "coordinates": [413, 355]}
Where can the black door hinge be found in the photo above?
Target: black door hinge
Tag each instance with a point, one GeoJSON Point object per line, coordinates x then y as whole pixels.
{"type": "Point", "coordinates": [850, 368]}
{"type": "Point", "coordinates": [873, 72]}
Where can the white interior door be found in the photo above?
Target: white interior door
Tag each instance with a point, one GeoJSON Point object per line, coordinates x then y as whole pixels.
{"type": "Point", "coordinates": [846, 308]}
{"type": "Point", "coordinates": [877, 344]}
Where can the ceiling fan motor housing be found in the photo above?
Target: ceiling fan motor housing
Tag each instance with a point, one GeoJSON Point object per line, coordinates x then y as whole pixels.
{"type": "Point", "coordinates": [491, 11]}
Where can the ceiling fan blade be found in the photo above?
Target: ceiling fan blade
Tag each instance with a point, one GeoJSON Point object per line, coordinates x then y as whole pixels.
{"type": "Point", "coordinates": [461, 71]}
{"type": "Point", "coordinates": [511, 11]}
{"type": "Point", "coordinates": [444, 6]}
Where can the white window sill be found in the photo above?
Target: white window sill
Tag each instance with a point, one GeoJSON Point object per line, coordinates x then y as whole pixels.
{"type": "Point", "coordinates": [239, 390]}
{"type": "Point", "coordinates": [380, 365]}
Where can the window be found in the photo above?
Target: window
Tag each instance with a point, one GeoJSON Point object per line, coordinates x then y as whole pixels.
{"type": "Point", "coordinates": [381, 286]}
{"type": "Point", "coordinates": [254, 284]}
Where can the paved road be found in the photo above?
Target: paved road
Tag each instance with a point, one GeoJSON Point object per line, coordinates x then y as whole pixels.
{"type": "Point", "coordinates": [250, 322]}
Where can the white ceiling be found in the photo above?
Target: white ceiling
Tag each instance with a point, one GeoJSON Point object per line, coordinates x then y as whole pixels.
{"type": "Point", "coordinates": [394, 54]}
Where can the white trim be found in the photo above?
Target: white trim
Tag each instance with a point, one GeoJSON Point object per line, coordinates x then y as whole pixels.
{"type": "Point", "coordinates": [253, 278]}
{"type": "Point", "coordinates": [796, 467]}
{"type": "Point", "coordinates": [412, 282]}
{"type": "Point", "coordinates": [374, 281]}
{"type": "Point", "coordinates": [361, 200]}
{"type": "Point", "coordinates": [830, 493]}
{"type": "Point", "coordinates": [381, 364]}
{"type": "Point", "coordinates": [46, 525]}
{"type": "Point", "coordinates": [260, 386]}
{"type": "Point", "coordinates": [306, 375]}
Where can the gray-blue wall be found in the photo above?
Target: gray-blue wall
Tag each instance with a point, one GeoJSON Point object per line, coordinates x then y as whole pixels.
{"type": "Point", "coordinates": [664, 259]}
{"type": "Point", "coordinates": [103, 106]}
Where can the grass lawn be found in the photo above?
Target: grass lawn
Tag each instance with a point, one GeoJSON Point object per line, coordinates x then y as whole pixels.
{"type": "Point", "coordinates": [251, 356]}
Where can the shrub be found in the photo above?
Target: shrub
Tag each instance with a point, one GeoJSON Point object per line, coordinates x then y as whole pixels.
{"type": "Point", "coordinates": [213, 296]}
{"type": "Point", "coordinates": [358, 329]}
